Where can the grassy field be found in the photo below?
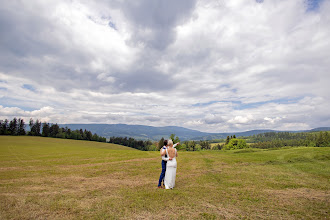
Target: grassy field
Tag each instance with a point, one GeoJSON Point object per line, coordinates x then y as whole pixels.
{"type": "Point", "coordinates": [46, 178]}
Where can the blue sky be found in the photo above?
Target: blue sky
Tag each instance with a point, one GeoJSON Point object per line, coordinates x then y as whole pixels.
{"type": "Point", "coordinates": [313, 4]}
{"type": "Point", "coordinates": [209, 65]}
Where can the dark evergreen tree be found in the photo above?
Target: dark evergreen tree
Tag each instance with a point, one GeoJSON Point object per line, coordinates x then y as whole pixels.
{"type": "Point", "coordinates": [102, 139]}
{"type": "Point", "coordinates": [1, 130]}
{"type": "Point", "coordinates": [67, 132]}
{"type": "Point", "coordinates": [88, 135]}
{"type": "Point", "coordinates": [31, 124]}
{"type": "Point", "coordinates": [45, 129]}
{"type": "Point", "coordinates": [81, 134]}
{"type": "Point", "coordinates": [37, 129]}
{"type": "Point", "coordinates": [13, 125]}
{"type": "Point", "coordinates": [54, 130]}
{"type": "Point", "coordinates": [95, 137]}
{"type": "Point", "coordinates": [131, 142]}
{"type": "Point", "coordinates": [4, 127]}
{"type": "Point", "coordinates": [21, 127]}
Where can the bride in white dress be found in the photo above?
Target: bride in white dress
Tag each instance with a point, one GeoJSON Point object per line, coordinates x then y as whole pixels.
{"type": "Point", "coordinates": [170, 174]}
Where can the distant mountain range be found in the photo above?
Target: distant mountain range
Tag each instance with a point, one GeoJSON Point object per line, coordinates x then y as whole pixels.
{"type": "Point", "coordinates": [142, 132]}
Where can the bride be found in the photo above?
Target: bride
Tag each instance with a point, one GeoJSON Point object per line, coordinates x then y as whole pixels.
{"type": "Point", "coordinates": [170, 174]}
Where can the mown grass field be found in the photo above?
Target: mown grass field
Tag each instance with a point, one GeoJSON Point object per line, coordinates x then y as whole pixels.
{"type": "Point", "coordinates": [46, 178]}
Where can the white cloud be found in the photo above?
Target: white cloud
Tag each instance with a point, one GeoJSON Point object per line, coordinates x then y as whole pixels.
{"type": "Point", "coordinates": [208, 65]}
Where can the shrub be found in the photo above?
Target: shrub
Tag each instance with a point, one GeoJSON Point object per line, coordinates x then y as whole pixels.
{"type": "Point", "coordinates": [235, 143]}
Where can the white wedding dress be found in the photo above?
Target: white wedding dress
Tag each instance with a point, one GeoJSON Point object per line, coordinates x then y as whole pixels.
{"type": "Point", "coordinates": [170, 173]}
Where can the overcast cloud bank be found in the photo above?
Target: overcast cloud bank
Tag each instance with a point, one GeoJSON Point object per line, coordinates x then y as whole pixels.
{"type": "Point", "coordinates": [210, 65]}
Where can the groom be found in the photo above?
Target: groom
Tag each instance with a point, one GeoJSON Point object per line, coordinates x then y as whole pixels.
{"type": "Point", "coordinates": [164, 161]}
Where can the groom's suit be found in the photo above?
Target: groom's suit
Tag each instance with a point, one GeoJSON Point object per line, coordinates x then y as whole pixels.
{"type": "Point", "coordinates": [164, 161]}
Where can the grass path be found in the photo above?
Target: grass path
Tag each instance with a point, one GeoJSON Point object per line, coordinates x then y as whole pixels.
{"type": "Point", "coordinates": [46, 178]}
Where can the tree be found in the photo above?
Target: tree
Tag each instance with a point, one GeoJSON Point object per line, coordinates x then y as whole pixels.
{"type": "Point", "coordinates": [227, 140]}
{"type": "Point", "coordinates": [88, 135]}
{"type": "Point", "coordinates": [185, 146]}
{"type": "Point", "coordinates": [13, 127]}
{"type": "Point", "coordinates": [241, 144]}
{"type": "Point", "coordinates": [236, 144]}
{"type": "Point", "coordinates": [74, 135]}
{"type": "Point", "coordinates": [31, 123]}
{"type": "Point", "coordinates": [21, 127]}
{"type": "Point", "coordinates": [81, 133]}
{"type": "Point", "coordinates": [218, 147]}
{"type": "Point", "coordinates": [1, 131]}
{"type": "Point", "coordinates": [60, 134]}
{"type": "Point", "coordinates": [326, 139]}
{"type": "Point", "coordinates": [54, 130]}
{"type": "Point", "coordinates": [102, 139]}
{"type": "Point", "coordinates": [68, 132]}
{"type": "Point", "coordinates": [160, 143]}
{"type": "Point", "coordinates": [45, 130]}
{"type": "Point", "coordinates": [4, 127]}
{"type": "Point", "coordinates": [320, 140]}
{"type": "Point", "coordinates": [192, 145]}
{"type": "Point", "coordinates": [205, 145]}
{"type": "Point", "coordinates": [174, 139]}
{"type": "Point", "coordinates": [95, 137]}
{"type": "Point", "coordinates": [37, 128]}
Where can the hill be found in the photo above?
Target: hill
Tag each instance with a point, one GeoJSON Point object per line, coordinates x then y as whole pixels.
{"type": "Point", "coordinates": [320, 129]}
{"type": "Point", "coordinates": [137, 131]}
{"type": "Point", "coordinates": [143, 132]}
{"type": "Point", "coordinates": [46, 144]}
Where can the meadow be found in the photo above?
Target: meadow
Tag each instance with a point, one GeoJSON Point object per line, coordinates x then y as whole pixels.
{"type": "Point", "coordinates": [48, 178]}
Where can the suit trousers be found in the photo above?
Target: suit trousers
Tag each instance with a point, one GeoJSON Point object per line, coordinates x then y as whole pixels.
{"type": "Point", "coordinates": [162, 175]}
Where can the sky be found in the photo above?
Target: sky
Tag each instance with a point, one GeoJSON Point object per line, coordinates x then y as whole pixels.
{"type": "Point", "coordinates": [209, 65]}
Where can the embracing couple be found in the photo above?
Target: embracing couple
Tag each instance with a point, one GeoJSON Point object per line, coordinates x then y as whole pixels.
{"type": "Point", "coordinates": [169, 154]}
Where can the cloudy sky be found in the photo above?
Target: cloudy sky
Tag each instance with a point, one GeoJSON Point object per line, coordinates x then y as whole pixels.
{"type": "Point", "coordinates": [209, 65]}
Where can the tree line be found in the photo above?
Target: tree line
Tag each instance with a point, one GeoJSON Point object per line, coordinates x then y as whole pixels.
{"type": "Point", "coordinates": [13, 127]}
{"type": "Point", "coordinates": [231, 143]}
{"type": "Point", "coordinates": [37, 128]}
{"type": "Point", "coordinates": [284, 139]}
{"type": "Point", "coordinates": [186, 145]}
{"type": "Point", "coordinates": [131, 142]}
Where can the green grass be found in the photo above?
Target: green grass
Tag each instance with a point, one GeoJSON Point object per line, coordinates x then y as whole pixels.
{"type": "Point", "coordinates": [46, 178]}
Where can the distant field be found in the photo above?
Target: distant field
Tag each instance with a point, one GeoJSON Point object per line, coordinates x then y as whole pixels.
{"type": "Point", "coordinates": [215, 144]}
{"type": "Point", "coordinates": [46, 178]}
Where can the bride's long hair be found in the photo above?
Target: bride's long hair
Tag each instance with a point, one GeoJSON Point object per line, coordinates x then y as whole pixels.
{"type": "Point", "coordinates": [171, 150]}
